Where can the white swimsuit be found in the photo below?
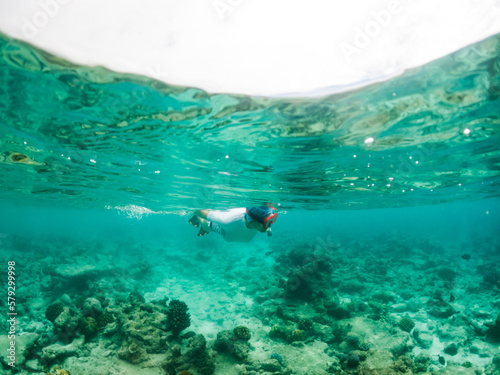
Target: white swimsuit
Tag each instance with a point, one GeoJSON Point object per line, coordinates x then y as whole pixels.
{"type": "Point", "coordinates": [230, 224]}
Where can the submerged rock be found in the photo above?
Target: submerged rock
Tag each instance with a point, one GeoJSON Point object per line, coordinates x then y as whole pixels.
{"type": "Point", "coordinates": [451, 349]}
{"type": "Point", "coordinates": [493, 332]}
{"type": "Point", "coordinates": [270, 366]}
{"type": "Point", "coordinates": [57, 351]}
{"type": "Point", "coordinates": [377, 362]}
{"type": "Point", "coordinates": [34, 365]}
{"type": "Point", "coordinates": [423, 339]}
{"type": "Point", "coordinates": [198, 359]}
{"type": "Point", "coordinates": [78, 270]}
{"type": "Point", "coordinates": [92, 307]}
{"type": "Point", "coordinates": [226, 342]}
{"type": "Point", "coordinates": [199, 356]}
{"type": "Point", "coordinates": [66, 324]}
{"type": "Point", "coordinates": [384, 296]}
{"type": "Point", "coordinates": [442, 312]}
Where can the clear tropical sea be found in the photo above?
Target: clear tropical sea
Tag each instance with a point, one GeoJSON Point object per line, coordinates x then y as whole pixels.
{"type": "Point", "coordinates": [384, 258]}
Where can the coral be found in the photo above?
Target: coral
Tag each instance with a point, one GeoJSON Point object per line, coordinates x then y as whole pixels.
{"type": "Point", "coordinates": [133, 353]}
{"type": "Point", "coordinates": [104, 319]}
{"type": "Point", "coordinates": [226, 342]}
{"type": "Point", "coordinates": [335, 310]}
{"type": "Point", "coordinates": [404, 365]}
{"type": "Point", "coordinates": [277, 332]}
{"type": "Point", "coordinates": [270, 366]}
{"type": "Point", "coordinates": [402, 348]}
{"type": "Point", "coordinates": [79, 301]}
{"type": "Point", "coordinates": [353, 360]}
{"type": "Point", "coordinates": [406, 324]}
{"type": "Point", "coordinates": [146, 327]}
{"type": "Point", "coordinates": [284, 313]}
{"type": "Point", "coordinates": [296, 335]}
{"type": "Point", "coordinates": [199, 356]}
{"type": "Point", "coordinates": [92, 307]}
{"type": "Point", "coordinates": [384, 296]}
{"type": "Point", "coordinates": [340, 330]}
{"type": "Point", "coordinates": [242, 332]}
{"type": "Point", "coordinates": [363, 346]}
{"type": "Point", "coordinates": [277, 357]}
{"type": "Point", "coordinates": [379, 310]}
{"type": "Point", "coordinates": [135, 298]}
{"type": "Point", "coordinates": [53, 311]}
{"type": "Point", "coordinates": [355, 342]}
{"type": "Point", "coordinates": [451, 349]}
{"type": "Point", "coordinates": [60, 371]}
{"type": "Point", "coordinates": [184, 372]}
{"type": "Point", "coordinates": [88, 326]}
{"type": "Point", "coordinates": [288, 334]}
{"type": "Point", "coordinates": [134, 301]}
{"type": "Point", "coordinates": [305, 273]}
{"type": "Point", "coordinates": [421, 363]}
{"type": "Point", "coordinates": [305, 324]}
{"type": "Point", "coordinates": [334, 367]}
{"type": "Point", "coordinates": [178, 317]}
{"type": "Point", "coordinates": [66, 325]}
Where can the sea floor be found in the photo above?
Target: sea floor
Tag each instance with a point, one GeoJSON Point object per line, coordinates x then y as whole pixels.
{"type": "Point", "coordinates": [392, 304]}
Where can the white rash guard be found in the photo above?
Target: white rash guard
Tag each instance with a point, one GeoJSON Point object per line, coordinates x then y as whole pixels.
{"type": "Point", "coordinates": [231, 224]}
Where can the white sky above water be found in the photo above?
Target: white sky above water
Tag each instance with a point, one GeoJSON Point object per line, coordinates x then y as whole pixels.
{"type": "Point", "coordinates": [257, 47]}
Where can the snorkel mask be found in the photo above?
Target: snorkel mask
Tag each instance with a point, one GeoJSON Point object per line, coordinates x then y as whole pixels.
{"type": "Point", "coordinates": [265, 215]}
{"type": "Point", "coordinates": [270, 220]}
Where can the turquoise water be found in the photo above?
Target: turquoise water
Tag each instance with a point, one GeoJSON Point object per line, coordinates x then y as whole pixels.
{"type": "Point", "coordinates": [381, 192]}
{"type": "Point", "coordinates": [95, 138]}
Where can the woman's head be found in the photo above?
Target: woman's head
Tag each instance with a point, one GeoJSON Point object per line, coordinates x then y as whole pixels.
{"type": "Point", "coordinates": [264, 215]}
